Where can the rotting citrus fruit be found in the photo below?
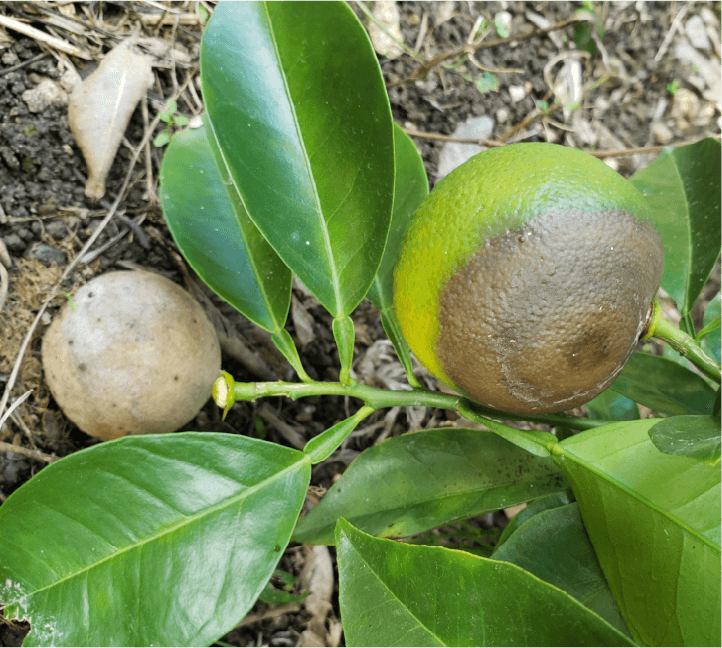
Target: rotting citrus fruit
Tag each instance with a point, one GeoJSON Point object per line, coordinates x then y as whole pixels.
{"type": "Point", "coordinates": [524, 279]}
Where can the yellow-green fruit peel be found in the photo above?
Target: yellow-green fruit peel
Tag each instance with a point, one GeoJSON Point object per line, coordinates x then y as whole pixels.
{"type": "Point", "coordinates": [525, 276]}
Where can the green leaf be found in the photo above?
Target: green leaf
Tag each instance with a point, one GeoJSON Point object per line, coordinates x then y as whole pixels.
{"type": "Point", "coordinates": [274, 596]}
{"type": "Point", "coordinates": [554, 500]}
{"type": "Point", "coordinates": [410, 188]}
{"type": "Point", "coordinates": [161, 539]}
{"type": "Point", "coordinates": [683, 187]}
{"type": "Point", "coordinates": [344, 334]}
{"type": "Point", "coordinates": [664, 386]}
{"type": "Point", "coordinates": [202, 13]}
{"type": "Point", "coordinates": [610, 406]}
{"type": "Point", "coordinates": [583, 38]}
{"type": "Point", "coordinates": [422, 480]}
{"type": "Point", "coordinates": [161, 139]}
{"type": "Point", "coordinates": [322, 446]}
{"type": "Point", "coordinates": [298, 104]}
{"type": "Point", "coordinates": [181, 120]}
{"type": "Point", "coordinates": [487, 82]}
{"type": "Point", "coordinates": [534, 441]}
{"type": "Point", "coordinates": [710, 333]}
{"type": "Point", "coordinates": [554, 546]}
{"type": "Point", "coordinates": [692, 436]}
{"type": "Point", "coordinates": [211, 227]}
{"type": "Point", "coordinates": [393, 594]}
{"type": "Point", "coordinates": [654, 521]}
{"type": "Point", "coordinates": [393, 331]}
{"type": "Point", "coordinates": [714, 325]}
{"type": "Point", "coordinates": [537, 442]}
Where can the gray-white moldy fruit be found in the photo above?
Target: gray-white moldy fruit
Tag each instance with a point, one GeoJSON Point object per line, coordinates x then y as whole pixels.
{"type": "Point", "coordinates": [132, 353]}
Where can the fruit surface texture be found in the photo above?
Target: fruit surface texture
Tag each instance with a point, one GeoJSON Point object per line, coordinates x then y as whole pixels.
{"type": "Point", "coordinates": [525, 277]}
{"type": "Point", "coordinates": [133, 353]}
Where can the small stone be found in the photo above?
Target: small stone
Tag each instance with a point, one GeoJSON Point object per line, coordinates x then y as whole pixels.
{"type": "Point", "coordinates": [662, 133]}
{"type": "Point", "coordinates": [709, 69]}
{"type": "Point", "coordinates": [10, 58]}
{"type": "Point", "coordinates": [685, 105]}
{"type": "Point", "coordinates": [696, 33]}
{"type": "Point", "coordinates": [13, 243]}
{"type": "Point", "coordinates": [503, 21]}
{"type": "Point", "coordinates": [517, 93]}
{"type": "Point", "coordinates": [44, 94]}
{"type": "Point", "coordinates": [453, 153]}
{"type": "Point", "coordinates": [46, 254]}
{"type": "Point", "coordinates": [70, 79]}
{"type": "Point", "coordinates": [387, 13]}
{"type": "Point", "coordinates": [8, 156]}
{"type": "Point", "coordinates": [502, 116]}
{"type": "Point", "coordinates": [56, 229]}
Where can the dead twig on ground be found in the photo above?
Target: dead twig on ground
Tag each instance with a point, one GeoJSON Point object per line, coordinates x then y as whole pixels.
{"type": "Point", "coordinates": [27, 452]}
{"type": "Point", "coordinates": [595, 153]}
{"type": "Point", "coordinates": [425, 67]}
{"type": "Point", "coordinates": [44, 38]}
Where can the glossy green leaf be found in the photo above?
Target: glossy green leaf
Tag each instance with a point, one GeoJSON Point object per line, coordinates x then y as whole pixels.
{"type": "Point", "coordinates": [654, 521]}
{"type": "Point", "coordinates": [714, 325]}
{"type": "Point", "coordinates": [393, 594]}
{"type": "Point", "coordinates": [211, 227]}
{"type": "Point", "coordinates": [148, 540]}
{"type": "Point", "coordinates": [344, 333]}
{"type": "Point", "coordinates": [322, 446]}
{"type": "Point", "coordinates": [393, 331]}
{"type": "Point", "coordinates": [422, 480]}
{"type": "Point", "coordinates": [298, 104]}
{"type": "Point", "coordinates": [691, 436]}
{"type": "Point", "coordinates": [534, 441]}
{"type": "Point", "coordinates": [411, 186]}
{"type": "Point", "coordinates": [711, 341]}
{"type": "Point", "coordinates": [664, 386]}
{"type": "Point", "coordinates": [537, 442]}
{"type": "Point", "coordinates": [555, 500]}
{"type": "Point", "coordinates": [683, 187]}
{"type": "Point", "coordinates": [611, 406]}
{"type": "Point", "coordinates": [554, 546]}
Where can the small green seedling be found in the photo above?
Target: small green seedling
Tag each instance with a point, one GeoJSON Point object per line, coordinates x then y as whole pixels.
{"type": "Point", "coordinates": [73, 305]}
{"type": "Point", "coordinates": [169, 117]}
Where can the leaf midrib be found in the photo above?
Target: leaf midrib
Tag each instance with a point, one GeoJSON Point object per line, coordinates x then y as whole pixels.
{"type": "Point", "coordinates": [638, 497]}
{"type": "Point", "coordinates": [185, 521]}
{"type": "Point", "coordinates": [328, 248]}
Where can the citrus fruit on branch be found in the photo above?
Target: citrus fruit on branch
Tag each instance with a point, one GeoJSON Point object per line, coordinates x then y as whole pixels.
{"type": "Point", "coordinates": [525, 278]}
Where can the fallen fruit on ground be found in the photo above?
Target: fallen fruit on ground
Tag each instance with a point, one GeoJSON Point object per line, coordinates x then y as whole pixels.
{"type": "Point", "coordinates": [132, 353]}
{"type": "Point", "coordinates": [525, 278]}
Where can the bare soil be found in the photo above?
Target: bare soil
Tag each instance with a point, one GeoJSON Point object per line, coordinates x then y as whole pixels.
{"type": "Point", "coordinates": [626, 102]}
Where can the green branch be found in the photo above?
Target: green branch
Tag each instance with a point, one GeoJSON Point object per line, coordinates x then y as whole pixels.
{"type": "Point", "coordinates": [226, 391]}
{"type": "Point", "coordinates": [688, 348]}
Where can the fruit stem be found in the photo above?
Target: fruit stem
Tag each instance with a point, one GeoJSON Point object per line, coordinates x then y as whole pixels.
{"type": "Point", "coordinates": [228, 391]}
{"type": "Point", "coordinates": [653, 318]}
{"type": "Point", "coordinates": [688, 348]}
